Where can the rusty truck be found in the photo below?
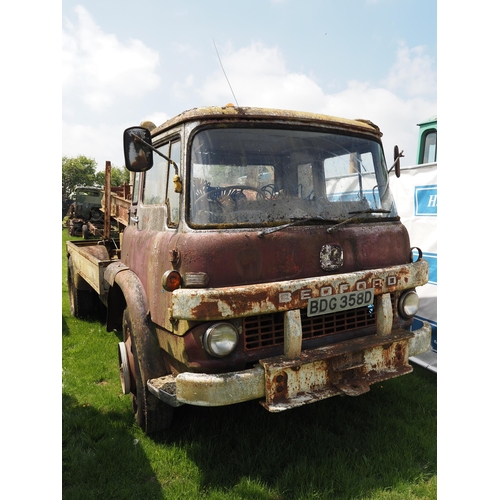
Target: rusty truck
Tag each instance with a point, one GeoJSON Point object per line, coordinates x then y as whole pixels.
{"type": "Point", "coordinates": [229, 289]}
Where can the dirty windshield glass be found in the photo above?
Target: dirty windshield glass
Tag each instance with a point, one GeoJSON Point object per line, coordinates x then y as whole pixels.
{"type": "Point", "coordinates": [267, 176]}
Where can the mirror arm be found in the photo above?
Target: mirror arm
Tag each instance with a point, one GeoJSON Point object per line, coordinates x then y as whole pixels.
{"type": "Point", "coordinates": [400, 155]}
{"type": "Point", "coordinates": [157, 152]}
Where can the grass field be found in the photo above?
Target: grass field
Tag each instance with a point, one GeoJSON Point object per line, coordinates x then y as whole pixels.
{"type": "Point", "coordinates": [381, 445]}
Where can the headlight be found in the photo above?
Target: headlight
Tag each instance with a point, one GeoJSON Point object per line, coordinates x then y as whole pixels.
{"type": "Point", "coordinates": [408, 304]}
{"type": "Point", "coordinates": [220, 339]}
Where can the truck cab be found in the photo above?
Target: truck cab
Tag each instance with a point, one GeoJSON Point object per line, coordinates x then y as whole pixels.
{"type": "Point", "coordinates": [264, 259]}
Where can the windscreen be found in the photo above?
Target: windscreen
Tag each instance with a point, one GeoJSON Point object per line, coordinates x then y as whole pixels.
{"type": "Point", "coordinates": [270, 176]}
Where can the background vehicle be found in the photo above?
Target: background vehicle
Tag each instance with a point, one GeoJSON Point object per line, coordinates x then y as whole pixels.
{"type": "Point", "coordinates": [416, 198]}
{"type": "Point", "coordinates": [86, 198]}
{"type": "Point", "coordinates": [289, 292]}
{"type": "Point", "coordinates": [85, 210]}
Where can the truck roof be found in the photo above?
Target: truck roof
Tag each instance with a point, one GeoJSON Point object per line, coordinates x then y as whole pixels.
{"type": "Point", "coordinates": [432, 119]}
{"type": "Point", "coordinates": [250, 113]}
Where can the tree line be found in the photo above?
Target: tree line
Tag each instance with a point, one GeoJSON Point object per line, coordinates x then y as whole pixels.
{"type": "Point", "coordinates": [82, 171]}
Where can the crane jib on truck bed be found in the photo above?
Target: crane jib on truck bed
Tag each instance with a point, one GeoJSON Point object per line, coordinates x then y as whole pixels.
{"type": "Point", "coordinates": [260, 256]}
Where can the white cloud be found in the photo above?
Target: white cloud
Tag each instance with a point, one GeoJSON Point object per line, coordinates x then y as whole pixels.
{"type": "Point", "coordinates": [102, 69]}
{"type": "Point", "coordinates": [413, 72]}
{"type": "Point", "coordinates": [183, 90]}
{"type": "Point", "coordinates": [185, 49]}
{"type": "Point", "coordinates": [102, 142]}
{"type": "Point", "coordinates": [396, 116]}
{"type": "Point", "coordinates": [259, 77]}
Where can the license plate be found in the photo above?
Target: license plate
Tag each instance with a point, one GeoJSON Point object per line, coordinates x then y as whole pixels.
{"type": "Point", "coordinates": [339, 302]}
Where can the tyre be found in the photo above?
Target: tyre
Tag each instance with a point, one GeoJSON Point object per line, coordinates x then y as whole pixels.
{"type": "Point", "coordinates": [151, 414]}
{"type": "Point", "coordinates": [82, 303]}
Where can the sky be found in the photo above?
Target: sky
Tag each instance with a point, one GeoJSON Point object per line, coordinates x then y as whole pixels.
{"type": "Point", "coordinates": [121, 64]}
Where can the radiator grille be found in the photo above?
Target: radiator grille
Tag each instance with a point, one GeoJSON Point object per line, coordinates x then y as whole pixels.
{"type": "Point", "coordinates": [267, 330]}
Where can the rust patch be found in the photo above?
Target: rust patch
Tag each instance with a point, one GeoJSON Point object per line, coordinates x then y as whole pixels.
{"type": "Point", "coordinates": [349, 368]}
{"type": "Point", "coordinates": [278, 391]}
{"type": "Point", "coordinates": [228, 113]}
{"type": "Point", "coordinates": [222, 303]}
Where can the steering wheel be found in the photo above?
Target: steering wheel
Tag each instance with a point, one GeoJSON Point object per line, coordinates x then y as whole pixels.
{"type": "Point", "coordinates": [230, 191]}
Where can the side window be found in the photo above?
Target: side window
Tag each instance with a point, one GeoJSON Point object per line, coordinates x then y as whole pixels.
{"type": "Point", "coordinates": [430, 147]}
{"type": "Point", "coordinates": [155, 182]}
{"type": "Point", "coordinates": [172, 196]}
{"type": "Point", "coordinates": [135, 187]}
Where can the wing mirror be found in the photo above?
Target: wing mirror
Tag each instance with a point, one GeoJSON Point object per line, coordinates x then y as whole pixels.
{"type": "Point", "coordinates": [137, 149]}
{"type": "Point", "coordinates": [397, 165]}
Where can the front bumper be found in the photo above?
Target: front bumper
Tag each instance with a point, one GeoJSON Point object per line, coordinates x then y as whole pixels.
{"type": "Point", "coordinates": [300, 377]}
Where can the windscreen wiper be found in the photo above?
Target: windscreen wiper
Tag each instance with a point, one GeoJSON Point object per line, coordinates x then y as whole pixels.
{"type": "Point", "coordinates": [356, 214]}
{"type": "Point", "coordinates": [371, 211]}
{"type": "Point", "coordinates": [317, 218]}
{"type": "Point", "coordinates": [295, 221]}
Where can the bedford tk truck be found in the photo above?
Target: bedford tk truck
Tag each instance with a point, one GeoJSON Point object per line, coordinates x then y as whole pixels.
{"type": "Point", "coordinates": [263, 259]}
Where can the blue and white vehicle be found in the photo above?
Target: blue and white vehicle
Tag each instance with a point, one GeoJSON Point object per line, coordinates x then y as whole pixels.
{"type": "Point", "coordinates": [415, 193]}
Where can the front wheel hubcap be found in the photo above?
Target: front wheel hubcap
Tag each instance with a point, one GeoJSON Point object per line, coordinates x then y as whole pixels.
{"type": "Point", "coordinates": [124, 368]}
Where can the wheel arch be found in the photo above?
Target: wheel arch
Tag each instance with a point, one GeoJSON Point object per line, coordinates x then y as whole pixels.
{"type": "Point", "coordinates": [116, 304]}
{"type": "Point", "coordinates": [127, 292]}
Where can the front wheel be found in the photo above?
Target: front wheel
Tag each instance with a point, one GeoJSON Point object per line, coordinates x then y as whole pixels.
{"type": "Point", "coordinates": [151, 414]}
